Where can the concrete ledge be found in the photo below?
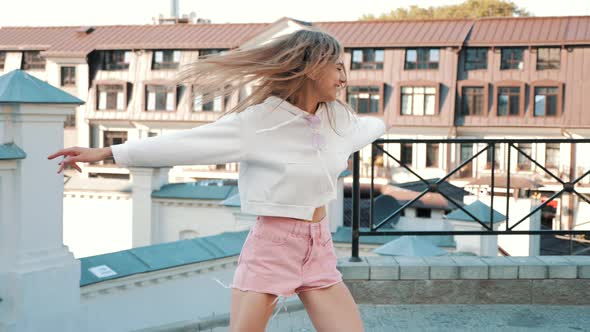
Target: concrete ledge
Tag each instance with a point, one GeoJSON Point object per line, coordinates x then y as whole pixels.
{"type": "Point", "coordinates": [353, 270]}
{"type": "Point", "coordinates": [382, 268]}
{"type": "Point", "coordinates": [469, 280]}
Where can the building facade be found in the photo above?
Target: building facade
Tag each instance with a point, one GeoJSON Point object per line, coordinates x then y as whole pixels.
{"type": "Point", "coordinates": [485, 78]}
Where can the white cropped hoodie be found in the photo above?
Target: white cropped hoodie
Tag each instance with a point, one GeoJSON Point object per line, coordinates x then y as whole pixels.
{"type": "Point", "coordinates": [289, 159]}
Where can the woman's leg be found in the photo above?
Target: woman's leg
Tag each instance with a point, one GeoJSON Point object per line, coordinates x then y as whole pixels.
{"type": "Point", "coordinates": [250, 311]}
{"type": "Point", "coordinates": [332, 309]}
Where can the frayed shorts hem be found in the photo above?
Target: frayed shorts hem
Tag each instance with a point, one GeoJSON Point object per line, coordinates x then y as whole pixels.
{"type": "Point", "coordinates": [279, 294]}
{"type": "Point", "coordinates": [320, 287]}
{"type": "Point", "coordinates": [262, 291]}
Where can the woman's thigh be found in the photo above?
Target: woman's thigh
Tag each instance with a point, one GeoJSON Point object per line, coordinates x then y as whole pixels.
{"type": "Point", "coordinates": [250, 311]}
{"type": "Point", "coordinates": [332, 309]}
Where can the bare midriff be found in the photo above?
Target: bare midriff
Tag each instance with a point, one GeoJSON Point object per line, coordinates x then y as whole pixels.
{"type": "Point", "coordinates": [318, 214]}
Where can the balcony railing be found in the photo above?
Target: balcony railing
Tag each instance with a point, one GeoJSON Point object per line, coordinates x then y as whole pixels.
{"type": "Point", "coordinates": [567, 186]}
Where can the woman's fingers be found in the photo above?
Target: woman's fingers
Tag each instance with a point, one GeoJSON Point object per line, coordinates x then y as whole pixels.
{"type": "Point", "coordinates": [64, 152]}
{"type": "Point", "coordinates": [72, 164]}
{"type": "Point", "coordinates": [77, 167]}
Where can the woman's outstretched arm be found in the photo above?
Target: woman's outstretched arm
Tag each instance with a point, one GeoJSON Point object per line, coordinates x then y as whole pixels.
{"type": "Point", "coordinates": [217, 142]}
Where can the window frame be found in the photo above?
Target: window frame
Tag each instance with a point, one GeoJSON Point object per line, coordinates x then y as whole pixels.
{"type": "Point", "coordinates": [28, 61]}
{"type": "Point", "coordinates": [419, 83]}
{"type": "Point", "coordinates": [96, 84]}
{"type": "Point", "coordinates": [474, 84]}
{"type": "Point", "coordinates": [71, 82]}
{"type": "Point", "coordinates": [467, 169]}
{"type": "Point", "coordinates": [224, 103]}
{"type": "Point", "coordinates": [552, 167]}
{"type": "Point", "coordinates": [165, 65]}
{"type": "Point", "coordinates": [546, 84]}
{"type": "Point", "coordinates": [510, 84]}
{"type": "Point", "coordinates": [417, 57]}
{"type": "Point", "coordinates": [423, 210]}
{"type": "Point", "coordinates": [116, 66]}
{"type": "Point", "coordinates": [366, 83]}
{"type": "Point", "coordinates": [466, 58]}
{"type": "Point", "coordinates": [374, 65]}
{"type": "Point", "coordinates": [3, 55]}
{"type": "Point", "coordinates": [211, 51]}
{"type": "Point", "coordinates": [525, 159]}
{"type": "Point", "coordinates": [104, 141]}
{"type": "Point", "coordinates": [165, 83]}
{"type": "Point", "coordinates": [437, 163]}
{"type": "Point", "coordinates": [401, 154]}
{"type": "Point", "coordinates": [498, 158]}
{"type": "Point", "coordinates": [549, 48]}
{"type": "Point", "coordinates": [522, 49]}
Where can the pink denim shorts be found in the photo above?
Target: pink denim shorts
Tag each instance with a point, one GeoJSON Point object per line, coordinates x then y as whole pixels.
{"type": "Point", "coordinates": [284, 256]}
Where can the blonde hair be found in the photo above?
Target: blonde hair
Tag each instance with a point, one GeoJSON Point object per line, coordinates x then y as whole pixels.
{"type": "Point", "coordinates": [278, 67]}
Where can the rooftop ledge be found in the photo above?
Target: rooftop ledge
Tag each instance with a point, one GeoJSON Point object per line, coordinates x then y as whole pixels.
{"type": "Point", "coordinates": [468, 279]}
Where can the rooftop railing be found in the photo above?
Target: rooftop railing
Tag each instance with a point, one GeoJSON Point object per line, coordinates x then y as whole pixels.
{"type": "Point", "coordinates": [511, 145]}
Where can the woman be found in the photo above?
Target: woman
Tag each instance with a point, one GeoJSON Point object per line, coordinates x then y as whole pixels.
{"type": "Point", "coordinates": [292, 137]}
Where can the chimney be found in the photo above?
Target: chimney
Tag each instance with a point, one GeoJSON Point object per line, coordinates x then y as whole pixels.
{"type": "Point", "coordinates": [174, 8]}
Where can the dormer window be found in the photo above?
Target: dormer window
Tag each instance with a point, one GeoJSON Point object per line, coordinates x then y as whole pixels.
{"type": "Point", "coordinates": [115, 60]}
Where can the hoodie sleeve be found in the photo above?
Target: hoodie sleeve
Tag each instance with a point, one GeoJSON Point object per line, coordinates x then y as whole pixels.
{"type": "Point", "coordinates": [217, 142]}
{"type": "Point", "coordinates": [366, 129]}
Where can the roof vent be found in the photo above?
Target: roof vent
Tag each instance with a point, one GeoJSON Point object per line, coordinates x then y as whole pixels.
{"type": "Point", "coordinates": [85, 30]}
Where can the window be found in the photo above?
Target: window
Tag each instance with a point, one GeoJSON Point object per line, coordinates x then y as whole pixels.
{"type": "Point", "coordinates": [68, 76]}
{"type": "Point", "coordinates": [110, 97]}
{"type": "Point", "coordinates": [406, 154]}
{"type": "Point", "coordinates": [166, 59]}
{"type": "Point", "coordinates": [546, 101]}
{"type": "Point", "coordinates": [466, 153]}
{"type": "Point", "coordinates": [418, 100]}
{"type": "Point", "coordinates": [160, 98]}
{"type": "Point", "coordinates": [473, 101]}
{"type": "Point", "coordinates": [497, 157]}
{"type": "Point", "coordinates": [508, 101]}
{"type": "Point", "coordinates": [32, 60]}
{"type": "Point", "coordinates": [367, 58]}
{"type": "Point", "coordinates": [2, 59]}
{"type": "Point", "coordinates": [364, 99]}
{"type": "Point", "coordinates": [476, 58]}
{"type": "Point", "coordinates": [70, 121]}
{"type": "Point", "coordinates": [210, 51]}
{"type": "Point", "coordinates": [432, 154]}
{"type": "Point", "coordinates": [523, 163]}
{"type": "Point", "coordinates": [548, 58]}
{"type": "Point", "coordinates": [113, 138]}
{"type": "Point", "coordinates": [215, 105]}
{"type": "Point", "coordinates": [421, 58]}
{"type": "Point", "coordinates": [423, 213]}
{"type": "Point", "coordinates": [115, 60]}
{"type": "Point", "coordinates": [512, 58]}
{"type": "Point", "coordinates": [552, 155]}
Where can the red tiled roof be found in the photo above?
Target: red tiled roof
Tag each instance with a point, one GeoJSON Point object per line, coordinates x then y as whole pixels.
{"type": "Point", "coordinates": [398, 33]}
{"type": "Point", "coordinates": [69, 41]}
{"type": "Point", "coordinates": [430, 200]}
{"type": "Point", "coordinates": [33, 38]}
{"type": "Point", "coordinates": [568, 30]}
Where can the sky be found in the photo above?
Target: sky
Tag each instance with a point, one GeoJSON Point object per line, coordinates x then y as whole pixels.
{"type": "Point", "coordinates": [110, 12]}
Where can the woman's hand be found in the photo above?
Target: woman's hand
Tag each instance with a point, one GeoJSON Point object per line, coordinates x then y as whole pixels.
{"type": "Point", "coordinates": [76, 154]}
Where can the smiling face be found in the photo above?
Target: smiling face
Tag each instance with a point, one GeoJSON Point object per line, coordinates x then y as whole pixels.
{"type": "Point", "coordinates": [329, 80]}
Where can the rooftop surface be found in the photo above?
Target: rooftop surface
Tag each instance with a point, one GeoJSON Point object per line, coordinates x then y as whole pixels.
{"type": "Point", "coordinates": [447, 317]}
